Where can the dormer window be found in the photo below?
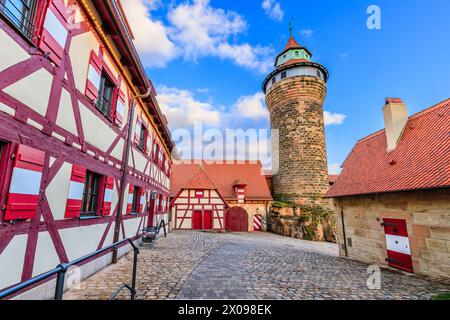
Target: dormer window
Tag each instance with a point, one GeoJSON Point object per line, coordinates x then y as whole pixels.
{"type": "Point", "coordinates": [296, 53]}
{"type": "Point", "coordinates": [274, 80]}
{"type": "Point", "coordinates": [283, 75]}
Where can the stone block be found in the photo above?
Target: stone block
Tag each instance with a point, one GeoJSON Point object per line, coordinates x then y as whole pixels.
{"type": "Point", "coordinates": [443, 258]}
{"type": "Point", "coordinates": [440, 233]}
{"type": "Point", "coordinates": [445, 219]}
{"type": "Point", "coordinates": [420, 231]}
{"type": "Point", "coordinates": [427, 218]}
{"type": "Point", "coordinates": [437, 245]}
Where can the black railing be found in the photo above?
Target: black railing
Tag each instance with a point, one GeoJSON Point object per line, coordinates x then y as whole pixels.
{"type": "Point", "coordinates": [61, 270]}
{"type": "Point", "coordinates": [20, 17]}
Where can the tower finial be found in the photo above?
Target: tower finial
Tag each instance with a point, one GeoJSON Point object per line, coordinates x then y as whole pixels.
{"type": "Point", "coordinates": [290, 27]}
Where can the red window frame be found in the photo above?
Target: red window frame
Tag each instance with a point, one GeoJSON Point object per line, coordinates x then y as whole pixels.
{"type": "Point", "coordinates": [100, 184]}
{"type": "Point", "coordinates": [136, 204]}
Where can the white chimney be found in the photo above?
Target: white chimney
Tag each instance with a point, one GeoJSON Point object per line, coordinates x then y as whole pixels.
{"type": "Point", "coordinates": [395, 119]}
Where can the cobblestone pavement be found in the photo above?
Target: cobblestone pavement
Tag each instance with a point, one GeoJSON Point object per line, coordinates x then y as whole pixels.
{"type": "Point", "coordinates": [191, 265]}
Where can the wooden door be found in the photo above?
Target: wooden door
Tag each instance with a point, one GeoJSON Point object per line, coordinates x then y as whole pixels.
{"type": "Point", "coordinates": [397, 244]}
{"type": "Point", "coordinates": [236, 219]}
{"type": "Point", "coordinates": [197, 220]}
{"type": "Point", "coordinates": [207, 220]}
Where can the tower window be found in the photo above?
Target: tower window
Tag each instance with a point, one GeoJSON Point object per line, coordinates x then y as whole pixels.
{"type": "Point", "coordinates": [319, 74]}
{"type": "Point", "coordinates": [296, 53]}
{"type": "Point", "coordinates": [274, 80]}
{"type": "Point", "coordinates": [283, 75]}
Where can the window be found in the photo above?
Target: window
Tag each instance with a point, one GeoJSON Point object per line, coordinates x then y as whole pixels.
{"type": "Point", "coordinates": [296, 53]}
{"type": "Point", "coordinates": [90, 194]}
{"type": "Point", "coordinates": [283, 75]}
{"type": "Point", "coordinates": [21, 14]}
{"type": "Point", "coordinates": [274, 79]}
{"type": "Point", "coordinates": [199, 193]}
{"type": "Point", "coordinates": [319, 74]}
{"type": "Point", "coordinates": [106, 94]}
{"type": "Point", "coordinates": [143, 138]}
{"type": "Point", "coordinates": [136, 200]}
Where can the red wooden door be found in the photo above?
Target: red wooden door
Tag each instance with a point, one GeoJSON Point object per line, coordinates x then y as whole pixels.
{"type": "Point", "coordinates": [207, 220]}
{"type": "Point", "coordinates": [236, 219]}
{"type": "Point", "coordinates": [197, 220]}
{"type": "Point", "coordinates": [397, 244]}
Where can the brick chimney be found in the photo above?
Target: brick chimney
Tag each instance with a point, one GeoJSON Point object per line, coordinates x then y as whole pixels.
{"type": "Point", "coordinates": [395, 119]}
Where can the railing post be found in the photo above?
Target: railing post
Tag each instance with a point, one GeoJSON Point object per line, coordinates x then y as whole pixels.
{"type": "Point", "coordinates": [133, 280]}
{"type": "Point", "coordinates": [60, 279]}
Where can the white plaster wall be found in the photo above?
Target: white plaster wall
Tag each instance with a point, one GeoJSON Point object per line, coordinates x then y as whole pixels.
{"type": "Point", "coordinates": [80, 55]}
{"type": "Point", "coordinates": [40, 82]}
{"type": "Point", "coordinates": [94, 128]}
{"type": "Point", "coordinates": [7, 109]}
{"type": "Point", "coordinates": [118, 150]}
{"type": "Point", "coordinates": [82, 240]}
{"type": "Point", "coordinates": [65, 118]}
{"type": "Point", "coordinates": [131, 227]}
{"type": "Point", "coordinates": [10, 52]}
{"type": "Point", "coordinates": [11, 261]}
{"type": "Point", "coordinates": [58, 190]}
{"type": "Point", "coordinates": [139, 160]}
{"type": "Point", "coordinates": [46, 256]}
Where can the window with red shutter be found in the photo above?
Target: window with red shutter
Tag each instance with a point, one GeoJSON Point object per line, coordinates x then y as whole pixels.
{"type": "Point", "coordinates": [94, 77]}
{"type": "Point", "coordinates": [130, 199]}
{"type": "Point", "coordinates": [92, 185]}
{"type": "Point", "coordinates": [107, 196]}
{"type": "Point", "coordinates": [24, 189]}
{"type": "Point", "coordinates": [76, 190]}
{"type": "Point", "coordinates": [55, 30]}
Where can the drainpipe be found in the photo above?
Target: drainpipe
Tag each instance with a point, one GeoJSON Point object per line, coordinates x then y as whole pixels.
{"type": "Point", "coordinates": [343, 231]}
{"type": "Point", "coordinates": [123, 179]}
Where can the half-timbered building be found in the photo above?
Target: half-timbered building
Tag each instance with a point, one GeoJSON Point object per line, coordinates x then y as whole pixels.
{"type": "Point", "coordinates": [232, 196]}
{"type": "Point", "coordinates": [73, 179]}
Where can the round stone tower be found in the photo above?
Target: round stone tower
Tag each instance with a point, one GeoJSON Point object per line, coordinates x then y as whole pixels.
{"type": "Point", "coordinates": [295, 92]}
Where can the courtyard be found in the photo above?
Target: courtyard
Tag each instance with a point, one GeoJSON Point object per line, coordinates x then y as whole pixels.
{"type": "Point", "coordinates": [196, 265]}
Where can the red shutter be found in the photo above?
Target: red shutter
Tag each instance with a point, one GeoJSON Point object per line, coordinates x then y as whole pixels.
{"type": "Point", "coordinates": [55, 30]}
{"type": "Point", "coordinates": [137, 132]}
{"type": "Point", "coordinates": [130, 199]}
{"type": "Point", "coordinates": [120, 108]}
{"type": "Point", "coordinates": [76, 189]}
{"type": "Point", "coordinates": [94, 77]}
{"type": "Point", "coordinates": [107, 196]}
{"type": "Point", "coordinates": [142, 200]}
{"type": "Point", "coordinates": [25, 184]}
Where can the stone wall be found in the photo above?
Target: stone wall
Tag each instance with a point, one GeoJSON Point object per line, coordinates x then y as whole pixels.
{"type": "Point", "coordinates": [300, 168]}
{"type": "Point", "coordinates": [427, 214]}
{"type": "Point", "coordinates": [307, 223]}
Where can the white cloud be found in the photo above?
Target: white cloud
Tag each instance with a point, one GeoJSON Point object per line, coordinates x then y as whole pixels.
{"type": "Point", "coordinates": [195, 30]}
{"type": "Point", "coordinates": [334, 168]}
{"type": "Point", "coordinates": [333, 118]}
{"type": "Point", "coordinates": [182, 109]}
{"type": "Point", "coordinates": [201, 30]}
{"type": "Point", "coordinates": [344, 56]}
{"type": "Point", "coordinates": [306, 33]}
{"type": "Point", "coordinates": [151, 37]}
{"type": "Point", "coordinates": [251, 107]}
{"type": "Point", "coordinates": [273, 9]}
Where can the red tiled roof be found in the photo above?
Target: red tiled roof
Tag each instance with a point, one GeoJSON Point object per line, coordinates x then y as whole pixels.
{"type": "Point", "coordinates": [332, 178]}
{"type": "Point", "coordinates": [291, 44]}
{"type": "Point", "coordinates": [198, 180]}
{"type": "Point", "coordinates": [421, 159]}
{"type": "Point", "coordinates": [222, 177]}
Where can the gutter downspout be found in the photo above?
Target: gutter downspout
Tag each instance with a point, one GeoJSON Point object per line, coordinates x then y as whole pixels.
{"type": "Point", "coordinates": [343, 231]}
{"type": "Point", "coordinates": [123, 179]}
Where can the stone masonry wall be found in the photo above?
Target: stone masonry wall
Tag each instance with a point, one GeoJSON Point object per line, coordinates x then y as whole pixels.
{"type": "Point", "coordinates": [295, 106]}
{"type": "Point", "coordinates": [427, 214]}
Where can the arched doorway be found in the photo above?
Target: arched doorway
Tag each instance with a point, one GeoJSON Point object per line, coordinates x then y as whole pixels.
{"type": "Point", "coordinates": [236, 219]}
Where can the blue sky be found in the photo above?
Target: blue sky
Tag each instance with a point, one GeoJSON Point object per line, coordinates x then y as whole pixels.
{"type": "Point", "coordinates": [208, 59]}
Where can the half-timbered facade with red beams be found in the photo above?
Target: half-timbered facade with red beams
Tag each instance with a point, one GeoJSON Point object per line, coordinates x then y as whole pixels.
{"type": "Point", "coordinates": [232, 196]}
{"type": "Point", "coordinates": [72, 179]}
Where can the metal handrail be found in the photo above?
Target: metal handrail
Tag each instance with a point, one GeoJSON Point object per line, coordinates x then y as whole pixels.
{"type": "Point", "coordinates": [25, 26]}
{"type": "Point", "coordinates": [61, 270]}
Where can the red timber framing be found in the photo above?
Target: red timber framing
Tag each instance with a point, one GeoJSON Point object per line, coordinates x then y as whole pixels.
{"type": "Point", "coordinates": [25, 128]}
{"type": "Point", "coordinates": [188, 203]}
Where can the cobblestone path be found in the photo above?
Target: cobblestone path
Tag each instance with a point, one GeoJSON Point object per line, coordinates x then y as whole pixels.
{"type": "Point", "coordinates": [194, 265]}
